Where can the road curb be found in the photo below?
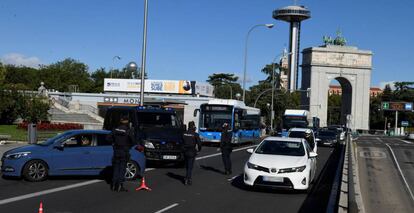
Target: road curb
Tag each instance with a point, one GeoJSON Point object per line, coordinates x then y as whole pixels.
{"type": "Point", "coordinates": [350, 179]}
{"type": "Point", "coordinates": [343, 195]}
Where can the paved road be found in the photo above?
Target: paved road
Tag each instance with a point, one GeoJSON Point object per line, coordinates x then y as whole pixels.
{"type": "Point", "coordinates": [211, 191]}
{"type": "Point", "coordinates": [386, 174]}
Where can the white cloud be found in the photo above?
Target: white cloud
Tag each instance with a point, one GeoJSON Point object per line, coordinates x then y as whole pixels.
{"type": "Point", "coordinates": [20, 60]}
{"type": "Point", "coordinates": [383, 83]}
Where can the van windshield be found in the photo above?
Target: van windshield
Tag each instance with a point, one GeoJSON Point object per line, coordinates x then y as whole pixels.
{"type": "Point", "coordinates": [158, 120]}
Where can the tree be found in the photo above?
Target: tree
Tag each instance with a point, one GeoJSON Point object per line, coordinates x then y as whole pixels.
{"type": "Point", "coordinates": [98, 80]}
{"type": "Point", "coordinates": [222, 83]}
{"type": "Point", "coordinates": [2, 73]}
{"type": "Point", "coordinates": [33, 108]}
{"type": "Point", "coordinates": [61, 74]}
{"type": "Point", "coordinates": [271, 69]}
{"type": "Point", "coordinates": [334, 109]}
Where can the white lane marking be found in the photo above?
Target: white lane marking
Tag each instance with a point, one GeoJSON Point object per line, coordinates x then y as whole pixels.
{"type": "Point", "coordinates": [405, 141]}
{"type": "Point", "coordinates": [49, 191]}
{"type": "Point", "coordinates": [231, 179]}
{"type": "Point", "coordinates": [35, 194]}
{"type": "Point", "coordinates": [167, 208]}
{"type": "Point", "coordinates": [402, 175]}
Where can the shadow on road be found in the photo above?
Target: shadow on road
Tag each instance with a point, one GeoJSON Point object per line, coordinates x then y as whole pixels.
{"type": "Point", "coordinates": [318, 197]}
{"type": "Point", "coordinates": [176, 177]}
{"type": "Point", "coordinates": [209, 168]}
{"type": "Point", "coordinates": [239, 183]}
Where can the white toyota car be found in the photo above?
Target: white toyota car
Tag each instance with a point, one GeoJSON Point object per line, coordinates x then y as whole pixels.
{"type": "Point", "coordinates": [280, 162]}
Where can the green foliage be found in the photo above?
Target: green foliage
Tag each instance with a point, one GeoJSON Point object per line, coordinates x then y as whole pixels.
{"type": "Point", "coordinates": [2, 73]}
{"type": "Point", "coordinates": [34, 109]}
{"type": "Point", "coordinates": [14, 104]}
{"type": "Point", "coordinates": [225, 85]}
{"type": "Point", "coordinates": [334, 109]}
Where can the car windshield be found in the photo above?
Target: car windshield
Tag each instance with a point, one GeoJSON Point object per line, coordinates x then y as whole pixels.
{"type": "Point", "coordinates": [53, 139]}
{"type": "Point", "coordinates": [157, 120]}
{"type": "Point", "coordinates": [271, 147]}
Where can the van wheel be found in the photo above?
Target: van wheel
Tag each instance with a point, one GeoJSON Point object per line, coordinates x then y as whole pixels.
{"type": "Point", "coordinates": [132, 170]}
{"type": "Point", "coordinates": [35, 171]}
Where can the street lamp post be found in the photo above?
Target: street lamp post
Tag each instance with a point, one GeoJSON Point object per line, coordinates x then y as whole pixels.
{"type": "Point", "coordinates": [113, 63]}
{"type": "Point", "coordinates": [245, 55]}
{"type": "Point", "coordinates": [144, 52]}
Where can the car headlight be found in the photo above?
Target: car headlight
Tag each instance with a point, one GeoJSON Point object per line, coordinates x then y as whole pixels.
{"type": "Point", "coordinates": [17, 155]}
{"type": "Point", "coordinates": [293, 169]}
{"type": "Point", "coordinates": [149, 145]}
{"type": "Point", "coordinates": [252, 166]}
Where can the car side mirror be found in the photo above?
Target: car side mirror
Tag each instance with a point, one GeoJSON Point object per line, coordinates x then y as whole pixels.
{"type": "Point", "coordinates": [313, 155]}
{"type": "Point", "coordinates": [250, 151]}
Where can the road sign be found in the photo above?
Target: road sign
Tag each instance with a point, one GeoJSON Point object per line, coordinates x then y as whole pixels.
{"type": "Point", "coordinates": [397, 106]}
{"type": "Point", "coordinates": [404, 123]}
{"type": "Point", "coordinates": [409, 106]}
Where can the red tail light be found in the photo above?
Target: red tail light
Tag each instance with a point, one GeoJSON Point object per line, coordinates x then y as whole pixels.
{"type": "Point", "coordinates": [139, 148]}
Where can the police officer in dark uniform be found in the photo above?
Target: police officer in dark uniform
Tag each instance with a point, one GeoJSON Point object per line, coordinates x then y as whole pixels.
{"type": "Point", "coordinates": [191, 140]}
{"type": "Point", "coordinates": [226, 147]}
{"type": "Point", "coordinates": [122, 140]}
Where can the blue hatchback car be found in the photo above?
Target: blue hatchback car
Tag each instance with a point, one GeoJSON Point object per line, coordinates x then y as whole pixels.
{"type": "Point", "coordinates": [75, 152]}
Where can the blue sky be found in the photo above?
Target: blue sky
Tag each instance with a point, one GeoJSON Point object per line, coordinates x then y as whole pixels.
{"type": "Point", "coordinates": [191, 39]}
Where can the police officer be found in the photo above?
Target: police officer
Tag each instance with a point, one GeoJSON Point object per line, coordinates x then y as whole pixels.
{"type": "Point", "coordinates": [122, 140]}
{"type": "Point", "coordinates": [226, 148]}
{"type": "Point", "coordinates": [191, 140]}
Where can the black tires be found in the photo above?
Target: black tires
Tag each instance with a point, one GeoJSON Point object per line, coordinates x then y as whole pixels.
{"type": "Point", "coordinates": [35, 171]}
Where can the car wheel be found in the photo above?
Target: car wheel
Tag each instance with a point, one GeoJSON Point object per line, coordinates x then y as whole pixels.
{"type": "Point", "coordinates": [35, 171]}
{"type": "Point", "coordinates": [132, 170]}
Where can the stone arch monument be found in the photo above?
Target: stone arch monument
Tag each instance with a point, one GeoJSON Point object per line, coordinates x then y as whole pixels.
{"type": "Point", "coordinates": [352, 68]}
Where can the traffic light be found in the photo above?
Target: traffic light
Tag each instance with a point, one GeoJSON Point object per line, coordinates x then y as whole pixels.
{"type": "Point", "coordinates": [385, 105]}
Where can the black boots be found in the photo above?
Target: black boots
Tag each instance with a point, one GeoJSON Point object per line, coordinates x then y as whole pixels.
{"type": "Point", "coordinates": [121, 188]}
{"type": "Point", "coordinates": [118, 188]}
{"type": "Point", "coordinates": [188, 182]}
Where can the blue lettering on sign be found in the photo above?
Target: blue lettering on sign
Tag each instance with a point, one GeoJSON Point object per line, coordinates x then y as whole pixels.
{"type": "Point", "coordinates": [156, 86]}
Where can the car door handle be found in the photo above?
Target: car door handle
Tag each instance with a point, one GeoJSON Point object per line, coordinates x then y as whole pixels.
{"type": "Point", "coordinates": [87, 152]}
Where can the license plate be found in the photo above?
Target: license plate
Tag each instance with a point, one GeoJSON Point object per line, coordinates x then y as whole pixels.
{"type": "Point", "coordinates": [273, 179]}
{"type": "Point", "coordinates": [169, 157]}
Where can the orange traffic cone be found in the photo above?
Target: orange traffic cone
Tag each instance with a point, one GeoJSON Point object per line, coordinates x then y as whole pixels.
{"type": "Point", "coordinates": [143, 185]}
{"type": "Point", "coordinates": [41, 207]}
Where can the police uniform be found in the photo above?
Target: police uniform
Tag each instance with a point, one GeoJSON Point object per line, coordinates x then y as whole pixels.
{"type": "Point", "coordinates": [123, 139]}
{"type": "Point", "coordinates": [226, 148]}
{"type": "Point", "coordinates": [191, 139]}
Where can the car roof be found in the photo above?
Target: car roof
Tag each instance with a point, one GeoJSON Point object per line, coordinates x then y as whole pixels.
{"type": "Point", "coordinates": [296, 129]}
{"type": "Point", "coordinates": [87, 131]}
{"type": "Point", "coordinates": [298, 140]}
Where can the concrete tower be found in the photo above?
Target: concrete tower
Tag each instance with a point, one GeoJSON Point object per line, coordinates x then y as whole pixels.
{"type": "Point", "coordinates": [294, 15]}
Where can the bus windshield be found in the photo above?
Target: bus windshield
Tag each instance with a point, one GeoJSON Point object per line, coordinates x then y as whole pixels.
{"type": "Point", "coordinates": [213, 117]}
{"type": "Point", "coordinates": [294, 121]}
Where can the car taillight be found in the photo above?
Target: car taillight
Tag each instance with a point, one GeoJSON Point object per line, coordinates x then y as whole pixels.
{"type": "Point", "coordinates": [139, 148]}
